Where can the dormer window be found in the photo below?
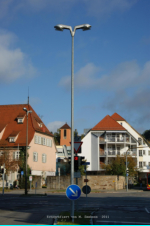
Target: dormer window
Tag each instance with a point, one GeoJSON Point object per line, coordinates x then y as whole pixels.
{"type": "Point", "coordinates": [11, 139]}
{"type": "Point", "coordinates": [40, 124]}
{"type": "Point", "coordinates": [20, 120]}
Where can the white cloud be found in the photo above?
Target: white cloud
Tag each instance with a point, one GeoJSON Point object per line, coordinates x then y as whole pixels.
{"type": "Point", "coordinates": [124, 76]}
{"type": "Point", "coordinates": [84, 78]}
{"type": "Point", "coordinates": [13, 62]}
{"type": "Point", "coordinates": [53, 126]}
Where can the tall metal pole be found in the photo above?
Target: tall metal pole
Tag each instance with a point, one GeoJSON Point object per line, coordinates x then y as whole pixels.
{"type": "Point", "coordinates": [3, 176]}
{"type": "Point", "coordinates": [72, 119]}
{"type": "Point", "coordinates": [26, 157]}
{"type": "Point", "coordinates": [126, 171]}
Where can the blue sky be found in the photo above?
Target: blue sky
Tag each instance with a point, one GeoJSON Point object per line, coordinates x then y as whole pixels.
{"type": "Point", "coordinates": [111, 61]}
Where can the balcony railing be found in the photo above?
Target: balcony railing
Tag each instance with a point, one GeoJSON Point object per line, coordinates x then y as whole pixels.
{"type": "Point", "coordinates": [117, 139]}
{"type": "Point", "coordinates": [103, 153]}
{"type": "Point", "coordinates": [116, 152]}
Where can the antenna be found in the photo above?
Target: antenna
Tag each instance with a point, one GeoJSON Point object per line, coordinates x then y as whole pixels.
{"type": "Point", "coordinates": [28, 95]}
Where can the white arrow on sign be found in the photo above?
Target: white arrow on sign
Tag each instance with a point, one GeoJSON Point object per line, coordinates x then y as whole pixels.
{"type": "Point", "coordinates": [75, 194]}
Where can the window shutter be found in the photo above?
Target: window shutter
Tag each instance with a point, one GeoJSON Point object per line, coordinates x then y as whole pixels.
{"type": "Point", "coordinates": [36, 139]}
{"type": "Point", "coordinates": [42, 140]}
{"type": "Point", "coordinates": [44, 143]}
{"type": "Point", "coordinates": [39, 140]}
{"type": "Point", "coordinates": [37, 157]}
{"type": "Point", "coordinates": [50, 143]}
{"type": "Point", "coordinates": [13, 155]}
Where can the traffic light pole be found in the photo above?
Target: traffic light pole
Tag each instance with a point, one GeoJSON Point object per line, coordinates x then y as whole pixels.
{"type": "Point", "coordinates": [3, 176]}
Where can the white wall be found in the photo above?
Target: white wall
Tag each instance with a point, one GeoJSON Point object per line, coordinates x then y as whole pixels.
{"type": "Point", "coordinates": [86, 148]}
{"type": "Point", "coordinates": [94, 152]}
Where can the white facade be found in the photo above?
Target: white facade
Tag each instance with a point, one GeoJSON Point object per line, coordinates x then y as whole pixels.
{"type": "Point", "coordinates": [101, 146]}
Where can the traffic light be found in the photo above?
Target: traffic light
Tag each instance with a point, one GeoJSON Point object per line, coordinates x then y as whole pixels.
{"type": "Point", "coordinates": [69, 160]}
{"type": "Point", "coordinates": [81, 158]}
{"type": "Point", "coordinates": [76, 163]}
{"type": "Point", "coordinates": [127, 171]}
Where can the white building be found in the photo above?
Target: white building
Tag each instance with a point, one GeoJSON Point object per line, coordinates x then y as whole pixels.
{"type": "Point", "coordinates": [113, 136]}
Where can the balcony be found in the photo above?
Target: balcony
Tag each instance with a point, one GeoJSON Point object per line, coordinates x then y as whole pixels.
{"type": "Point", "coordinates": [102, 153]}
{"type": "Point", "coordinates": [117, 139]}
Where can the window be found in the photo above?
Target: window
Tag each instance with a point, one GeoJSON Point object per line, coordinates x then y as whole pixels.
{"type": "Point", "coordinates": [140, 164]}
{"type": "Point", "coordinates": [12, 140]}
{"type": "Point", "coordinates": [36, 139]}
{"type": "Point", "coordinates": [149, 164]}
{"type": "Point", "coordinates": [149, 152]}
{"type": "Point", "coordinates": [16, 155]}
{"type": "Point", "coordinates": [140, 141]}
{"type": "Point", "coordinates": [35, 156]}
{"type": "Point", "coordinates": [144, 163]}
{"type": "Point", "coordinates": [43, 158]}
{"type": "Point", "coordinates": [143, 152]}
{"type": "Point", "coordinates": [140, 153]}
{"type": "Point", "coordinates": [65, 132]}
{"type": "Point", "coordinates": [20, 120]}
{"type": "Point", "coordinates": [44, 141]}
{"type": "Point", "coordinates": [121, 123]}
{"type": "Point", "coordinates": [39, 140]}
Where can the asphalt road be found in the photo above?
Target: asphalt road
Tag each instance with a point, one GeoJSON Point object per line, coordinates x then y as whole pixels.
{"type": "Point", "coordinates": [108, 208]}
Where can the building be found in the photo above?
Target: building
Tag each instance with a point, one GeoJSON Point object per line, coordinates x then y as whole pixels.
{"type": "Point", "coordinates": [42, 150]}
{"type": "Point", "coordinates": [113, 136]}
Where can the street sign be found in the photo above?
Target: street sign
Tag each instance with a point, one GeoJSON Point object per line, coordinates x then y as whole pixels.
{"type": "Point", "coordinates": [30, 178]}
{"type": "Point", "coordinates": [22, 172]}
{"type": "Point", "coordinates": [77, 174]}
{"type": "Point", "coordinates": [86, 163]}
{"type": "Point", "coordinates": [127, 174]}
{"type": "Point", "coordinates": [86, 180]}
{"type": "Point", "coordinates": [86, 189]}
{"type": "Point", "coordinates": [77, 146]}
{"type": "Point", "coordinates": [73, 192]}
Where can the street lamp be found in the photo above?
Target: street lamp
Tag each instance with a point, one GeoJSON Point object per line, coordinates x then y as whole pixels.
{"type": "Point", "coordinates": [61, 27]}
{"type": "Point", "coordinates": [26, 150]}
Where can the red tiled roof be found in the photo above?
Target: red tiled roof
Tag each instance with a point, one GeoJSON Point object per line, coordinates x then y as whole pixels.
{"type": "Point", "coordinates": [108, 123]}
{"type": "Point", "coordinates": [8, 116]}
{"type": "Point", "coordinates": [65, 126]}
{"type": "Point", "coordinates": [117, 117]}
{"type": "Point", "coordinates": [14, 134]}
{"type": "Point", "coordinates": [21, 115]}
{"type": "Point", "coordinates": [2, 126]}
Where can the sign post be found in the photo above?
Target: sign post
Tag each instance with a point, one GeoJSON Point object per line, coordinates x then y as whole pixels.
{"type": "Point", "coordinates": [59, 176]}
{"type": "Point", "coordinates": [30, 179]}
{"type": "Point", "coordinates": [86, 180]}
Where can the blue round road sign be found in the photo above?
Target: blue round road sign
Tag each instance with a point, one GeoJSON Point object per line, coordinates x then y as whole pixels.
{"type": "Point", "coordinates": [73, 192]}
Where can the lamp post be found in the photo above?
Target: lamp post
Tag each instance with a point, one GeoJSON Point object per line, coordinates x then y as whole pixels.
{"type": "Point", "coordinates": [27, 112]}
{"type": "Point", "coordinates": [61, 27]}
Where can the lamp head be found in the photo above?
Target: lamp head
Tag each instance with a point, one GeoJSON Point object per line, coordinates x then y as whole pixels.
{"type": "Point", "coordinates": [59, 27]}
{"type": "Point", "coordinates": [86, 27]}
{"type": "Point", "coordinates": [25, 109]}
{"type": "Point", "coordinates": [30, 111]}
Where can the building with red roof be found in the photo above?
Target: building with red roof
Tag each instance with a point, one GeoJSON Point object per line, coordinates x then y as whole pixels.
{"type": "Point", "coordinates": [113, 136]}
{"type": "Point", "coordinates": [13, 130]}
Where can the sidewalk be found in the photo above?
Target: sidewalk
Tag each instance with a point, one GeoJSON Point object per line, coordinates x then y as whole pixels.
{"type": "Point", "coordinates": [47, 191]}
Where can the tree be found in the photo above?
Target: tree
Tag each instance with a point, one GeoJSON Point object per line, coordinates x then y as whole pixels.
{"type": "Point", "coordinates": [118, 166]}
{"type": "Point", "coordinates": [6, 157]}
{"type": "Point", "coordinates": [146, 134]}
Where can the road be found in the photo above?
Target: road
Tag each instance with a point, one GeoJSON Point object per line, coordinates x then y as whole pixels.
{"type": "Point", "coordinates": [109, 208]}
